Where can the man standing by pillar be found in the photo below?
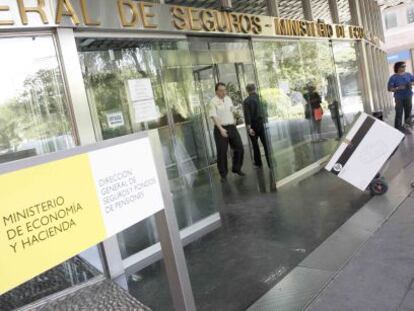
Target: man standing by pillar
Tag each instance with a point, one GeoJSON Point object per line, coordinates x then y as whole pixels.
{"type": "Point", "coordinates": [225, 132]}
{"type": "Point", "coordinates": [254, 119]}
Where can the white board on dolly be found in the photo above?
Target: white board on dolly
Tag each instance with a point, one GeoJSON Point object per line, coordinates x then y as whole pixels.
{"type": "Point", "coordinates": [364, 151]}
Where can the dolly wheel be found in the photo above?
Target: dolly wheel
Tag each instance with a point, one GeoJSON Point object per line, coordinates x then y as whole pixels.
{"type": "Point", "coordinates": [378, 186]}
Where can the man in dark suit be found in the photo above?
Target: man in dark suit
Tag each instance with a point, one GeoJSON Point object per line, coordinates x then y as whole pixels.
{"type": "Point", "coordinates": [254, 119]}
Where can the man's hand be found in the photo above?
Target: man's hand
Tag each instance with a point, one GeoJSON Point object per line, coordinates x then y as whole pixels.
{"type": "Point", "coordinates": [252, 132]}
{"type": "Point", "coordinates": [224, 133]}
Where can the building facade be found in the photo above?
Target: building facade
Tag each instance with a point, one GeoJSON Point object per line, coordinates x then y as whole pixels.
{"type": "Point", "coordinates": [398, 21]}
{"type": "Point", "coordinates": [70, 70]}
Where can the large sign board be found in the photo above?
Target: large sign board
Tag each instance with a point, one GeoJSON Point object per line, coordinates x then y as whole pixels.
{"type": "Point", "coordinates": [138, 15]}
{"type": "Point", "coordinates": [364, 151]}
{"type": "Point", "coordinates": [53, 211]}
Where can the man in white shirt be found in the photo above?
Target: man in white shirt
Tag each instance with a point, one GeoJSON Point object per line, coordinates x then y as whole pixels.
{"type": "Point", "coordinates": [225, 132]}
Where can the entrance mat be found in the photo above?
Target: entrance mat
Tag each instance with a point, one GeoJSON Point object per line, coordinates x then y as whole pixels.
{"type": "Point", "coordinates": [103, 296]}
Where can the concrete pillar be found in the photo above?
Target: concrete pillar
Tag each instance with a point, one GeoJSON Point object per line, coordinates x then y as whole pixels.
{"type": "Point", "coordinates": [388, 95]}
{"type": "Point", "coordinates": [371, 73]}
{"type": "Point", "coordinates": [333, 7]}
{"type": "Point", "coordinates": [226, 3]}
{"type": "Point", "coordinates": [363, 14]}
{"type": "Point", "coordinates": [307, 10]}
{"type": "Point", "coordinates": [273, 7]}
{"type": "Point", "coordinates": [357, 19]}
{"type": "Point", "coordinates": [374, 22]}
{"type": "Point", "coordinates": [378, 78]}
{"type": "Point", "coordinates": [381, 34]}
{"type": "Point", "coordinates": [66, 44]}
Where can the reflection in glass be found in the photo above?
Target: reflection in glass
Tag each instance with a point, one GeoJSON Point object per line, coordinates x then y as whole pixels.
{"type": "Point", "coordinates": [285, 71]}
{"type": "Point", "coordinates": [349, 79]}
{"type": "Point", "coordinates": [227, 61]}
{"type": "Point", "coordinates": [34, 117]}
{"type": "Point", "coordinates": [109, 66]}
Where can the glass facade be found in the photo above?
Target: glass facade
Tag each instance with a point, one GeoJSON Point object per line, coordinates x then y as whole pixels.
{"type": "Point", "coordinates": [183, 74]}
{"type": "Point", "coordinates": [410, 14]}
{"type": "Point", "coordinates": [35, 119]}
{"type": "Point", "coordinates": [108, 65]}
{"type": "Point", "coordinates": [391, 20]}
{"type": "Point", "coordinates": [286, 70]}
{"type": "Point", "coordinates": [34, 115]}
{"type": "Point", "coordinates": [344, 11]}
{"type": "Point", "coordinates": [349, 79]}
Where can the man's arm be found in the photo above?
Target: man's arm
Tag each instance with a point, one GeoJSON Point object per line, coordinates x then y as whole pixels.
{"type": "Point", "coordinates": [217, 123]}
{"type": "Point", "coordinates": [248, 117]}
{"type": "Point", "coordinates": [392, 86]}
{"type": "Point", "coordinates": [247, 113]}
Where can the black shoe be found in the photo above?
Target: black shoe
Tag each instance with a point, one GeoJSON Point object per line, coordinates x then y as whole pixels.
{"type": "Point", "coordinates": [223, 178]}
{"type": "Point", "coordinates": [240, 173]}
{"type": "Point", "coordinates": [258, 165]}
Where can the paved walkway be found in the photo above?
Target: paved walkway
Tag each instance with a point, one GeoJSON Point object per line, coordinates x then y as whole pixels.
{"type": "Point", "coordinates": [367, 264]}
{"type": "Point", "coordinates": [380, 275]}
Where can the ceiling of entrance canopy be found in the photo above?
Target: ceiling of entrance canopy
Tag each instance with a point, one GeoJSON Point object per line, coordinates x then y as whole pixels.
{"type": "Point", "coordinates": [389, 3]}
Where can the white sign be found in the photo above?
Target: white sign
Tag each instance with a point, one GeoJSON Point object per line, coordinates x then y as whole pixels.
{"type": "Point", "coordinates": [366, 148]}
{"type": "Point", "coordinates": [115, 119]}
{"type": "Point", "coordinates": [140, 89]}
{"type": "Point", "coordinates": [143, 102]}
{"type": "Point", "coordinates": [127, 184]}
{"type": "Point", "coordinates": [146, 110]}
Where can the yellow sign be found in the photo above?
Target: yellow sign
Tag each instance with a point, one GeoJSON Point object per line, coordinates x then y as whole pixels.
{"type": "Point", "coordinates": [43, 214]}
{"type": "Point", "coordinates": [51, 212]}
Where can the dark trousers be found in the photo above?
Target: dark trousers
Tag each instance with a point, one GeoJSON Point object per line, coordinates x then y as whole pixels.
{"type": "Point", "coordinates": [222, 145]}
{"type": "Point", "coordinates": [403, 106]}
{"type": "Point", "coordinates": [260, 134]}
{"type": "Point", "coordinates": [337, 122]}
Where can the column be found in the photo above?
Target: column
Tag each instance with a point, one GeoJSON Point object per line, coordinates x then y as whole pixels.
{"type": "Point", "coordinates": [374, 15]}
{"type": "Point", "coordinates": [364, 16]}
{"type": "Point", "coordinates": [75, 86]}
{"type": "Point", "coordinates": [272, 7]}
{"type": "Point", "coordinates": [389, 97]}
{"type": "Point", "coordinates": [380, 25]}
{"type": "Point", "coordinates": [378, 78]}
{"type": "Point", "coordinates": [333, 7]}
{"type": "Point", "coordinates": [307, 10]}
{"type": "Point", "coordinates": [225, 3]}
{"type": "Point", "coordinates": [357, 19]}
{"type": "Point", "coordinates": [371, 72]}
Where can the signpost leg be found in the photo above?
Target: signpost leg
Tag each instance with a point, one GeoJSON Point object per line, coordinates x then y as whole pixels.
{"type": "Point", "coordinates": [169, 235]}
{"type": "Point", "coordinates": [174, 261]}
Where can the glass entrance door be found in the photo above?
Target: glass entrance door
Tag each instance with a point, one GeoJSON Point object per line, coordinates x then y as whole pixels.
{"type": "Point", "coordinates": [110, 66]}
{"type": "Point", "coordinates": [230, 62]}
{"type": "Point", "coordinates": [203, 77]}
